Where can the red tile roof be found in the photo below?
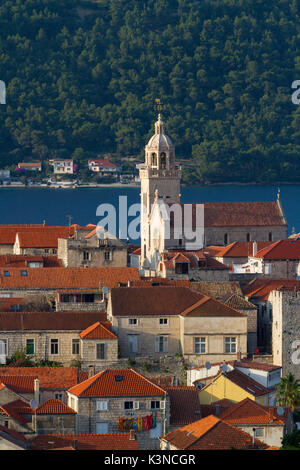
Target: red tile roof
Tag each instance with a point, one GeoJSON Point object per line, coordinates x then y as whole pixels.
{"type": "Point", "coordinates": [84, 442]}
{"type": "Point", "coordinates": [67, 278]}
{"type": "Point", "coordinates": [8, 232]}
{"type": "Point", "coordinates": [51, 378]}
{"type": "Point", "coordinates": [229, 214]}
{"type": "Point", "coordinates": [106, 384]}
{"type": "Point", "coordinates": [256, 365]}
{"type": "Point", "coordinates": [16, 409]}
{"type": "Point", "coordinates": [282, 249]}
{"type": "Point", "coordinates": [41, 321]}
{"type": "Point", "coordinates": [260, 289]}
{"type": "Point", "coordinates": [246, 383]}
{"type": "Point", "coordinates": [97, 331]}
{"type": "Point", "coordinates": [193, 258]}
{"type": "Point", "coordinates": [184, 405]}
{"type": "Point", "coordinates": [235, 249]}
{"type": "Point", "coordinates": [21, 261]}
{"type": "Point", "coordinates": [211, 433]}
{"type": "Point", "coordinates": [131, 301]}
{"type": "Point", "coordinates": [13, 436]}
{"type": "Point", "coordinates": [18, 384]}
{"type": "Point", "coordinates": [249, 412]}
{"type": "Point", "coordinates": [54, 407]}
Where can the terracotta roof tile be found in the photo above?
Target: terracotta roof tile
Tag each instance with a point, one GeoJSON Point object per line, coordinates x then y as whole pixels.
{"type": "Point", "coordinates": [67, 278]}
{"type": "Point", "coordinates": [21, 261]}
{"type": "Point", "coordinates": [39, 321]}
{"type": "Point", "coordinates": [131, 301]}
{"type": "Point", "coordinates": [117, 382]}
{"type": "Point", "coordinates": [249, 412]}
{"type": "Point", "coordinates": [256, 365]}
{"type": "Point", "coordinates": [184, 405]}
{"type": "Point", "coordinates": [84, 442]}
{"type": "Point", "coordinates": [217, 290]}
{"type": "Point", "coordinates": [16, 409]}
{"type": "Point", "coordinates": [13, 436]}
{"type": "Point", "coordinates": [97, 331]}
{"type": "Point", "coordinates": [282, 249]}
{"type": "Point", "coordinates": [260, 289]}
{"type": "Point", "coordinates": [51, 378]}
{"type": "Point", "coordinates": [18, 384]}
{"type": "Point", "coordinates": [54, 407]}
{"type": "Point", "coordinates": [246, 383]}
{"type": "Point", "coordinates": [235, 249]}
{"type": "Point", "coordinates": [211, 433]}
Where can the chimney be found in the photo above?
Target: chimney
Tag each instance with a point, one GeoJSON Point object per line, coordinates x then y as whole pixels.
{"type": "Point", "coordinates": [239, 355]}
{"type": "Point", "coordinates": [254, 248]}
{"type": "Point", "coordinates": [132, 435]}
{"type": "Point", "coordinates": [91, 371]}
{"type": "Point", "coordinates": [37, 391]}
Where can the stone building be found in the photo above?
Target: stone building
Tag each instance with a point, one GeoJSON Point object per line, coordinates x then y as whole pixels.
{"type": "Point", "coordinates": [117, 400]}
{"type": "Point", "coordinates": [52, 417]}
{"type": "Point", "coordinates": [278, 260]}
{"type": "Point", "coordinates": [94, 249]}
{"type": "Point", "coordinates": [167, 224]}
{"type": "Point", "coordinates": [62, 337]}
{"type": "Point", "coordinates": [286, 330]}
{"type": "Point", "coordinates": [161, 321]}
{"type": "Point", "coordinates": [258, 293]}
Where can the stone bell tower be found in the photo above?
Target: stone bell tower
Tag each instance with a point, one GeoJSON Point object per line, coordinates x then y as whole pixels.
{"type": "Point", "coordinates": [159, 176]}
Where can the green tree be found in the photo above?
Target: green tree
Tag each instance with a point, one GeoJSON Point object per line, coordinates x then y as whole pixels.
{"type": "Point", "coordinates": [288, 391]}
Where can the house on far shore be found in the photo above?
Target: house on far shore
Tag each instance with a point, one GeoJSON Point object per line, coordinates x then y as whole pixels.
{"type": "Point", "coordinates": [104, 167]}
{"type": "Point", "coordinates": [63, 166]}
{"type": "Point", "coordinates": [32, 166]}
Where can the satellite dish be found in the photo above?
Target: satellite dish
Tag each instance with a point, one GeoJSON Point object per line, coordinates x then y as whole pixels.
{"type": "Point", "coordinates": [224, 367]}
{"type": "Point", "coordinates": [280, 410]}
{"type": "Point", "coordinates": [208, 365]}
{"type": "Point", "coordinates": [33, 404]}
{"type": "Point", "coordinates": [105, 290]}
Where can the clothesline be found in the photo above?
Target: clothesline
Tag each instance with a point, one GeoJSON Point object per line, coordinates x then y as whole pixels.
{"type": "Point", "coordinates": [142, 423]}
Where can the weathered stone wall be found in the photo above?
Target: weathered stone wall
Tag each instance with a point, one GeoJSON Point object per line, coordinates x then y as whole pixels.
{"type": "Point", "coordinates": [88, 416]}
{"type": "Point", "coordinates": [286, 331]}
{"type": "Point", "coordinates": [215, 235]}
{"type": "Point", "coordinates": [16, 340]}
{"type": "Point", "coordinates": [80, 306]}
{"type": "Point", "coordinates": [56, 424]}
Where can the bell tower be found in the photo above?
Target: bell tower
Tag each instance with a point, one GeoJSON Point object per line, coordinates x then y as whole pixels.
{"type": "Point", "coordinates": [159, 176]}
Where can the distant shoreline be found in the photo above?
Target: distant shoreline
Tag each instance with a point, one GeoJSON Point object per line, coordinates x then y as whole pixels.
{"type": "Point", "coordinates": [137, 185]}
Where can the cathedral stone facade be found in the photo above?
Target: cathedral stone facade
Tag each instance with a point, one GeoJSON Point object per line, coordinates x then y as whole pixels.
{"type": "Point", "coordinates": [162, 214]}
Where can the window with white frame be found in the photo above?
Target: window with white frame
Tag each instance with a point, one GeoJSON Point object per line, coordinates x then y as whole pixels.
{"type": "Point", "coordinates": [102, 405]}
{"type": "Point", "coordinates": [230, 344]}
{"type": "Point", "coordinates": [200, 345]}
{"type": "Point", "coordinates": [163, 321]}
{"type": "Point", "coordinates": [132, 321]}
{"type": "Point", "coordinates": [131, 405]}
{"type": "Point", "coordinates": [155, 405]}
{"type": "Point", "coordinates": [259, 432]}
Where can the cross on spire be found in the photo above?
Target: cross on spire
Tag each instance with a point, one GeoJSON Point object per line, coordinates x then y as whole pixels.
{"type": "Point", "coordinates": [158, 106]}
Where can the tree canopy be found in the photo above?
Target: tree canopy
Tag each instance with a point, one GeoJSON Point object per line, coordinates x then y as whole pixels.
{"type": "Point", "coordinates": [84, 75]}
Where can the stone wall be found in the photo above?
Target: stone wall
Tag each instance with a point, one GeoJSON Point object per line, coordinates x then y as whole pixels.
{"type": "Point", "coordinates": [215, 235]}
{"type": "Point", "coordinates": [88, 416]}
{"type": "Point", "coordinates": [80, 306]}
{"type": "Point", "coordinates": [16, 340]}
{"type": "Point", "coordinates": [286, 331]}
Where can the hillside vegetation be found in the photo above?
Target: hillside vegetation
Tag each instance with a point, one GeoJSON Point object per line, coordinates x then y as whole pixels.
{"type": "Point", "coordinates": [82, 78]}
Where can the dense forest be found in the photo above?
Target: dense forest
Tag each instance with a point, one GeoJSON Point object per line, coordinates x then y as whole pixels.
{"type": "Point", "coordinates": [82, 78]}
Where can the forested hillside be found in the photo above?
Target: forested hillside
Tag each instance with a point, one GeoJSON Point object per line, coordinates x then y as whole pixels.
{"type": "Point", "coordinates": [83, 75]}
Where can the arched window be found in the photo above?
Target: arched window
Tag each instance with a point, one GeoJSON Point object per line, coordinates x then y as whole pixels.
{"type": "Point", "coordinates": [163, 160]}
{"type": "Point", "coordinates": [153, 159]}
